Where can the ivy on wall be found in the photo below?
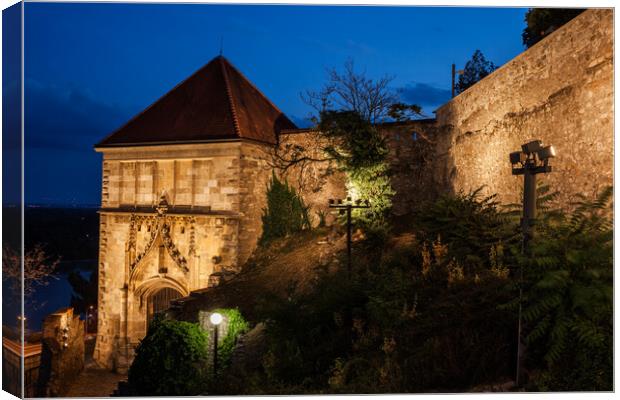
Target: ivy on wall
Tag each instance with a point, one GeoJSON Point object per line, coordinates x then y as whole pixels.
{"type": "Point", "coordinates": [361, 152]}
{"type": "Point", "coordinates": [236, 326]}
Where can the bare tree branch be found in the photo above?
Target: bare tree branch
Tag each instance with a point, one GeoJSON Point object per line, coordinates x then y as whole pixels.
{"type": "Point", "coordinates": [354, 91]}
{"type": "Point", "coordinates": [39, 268]}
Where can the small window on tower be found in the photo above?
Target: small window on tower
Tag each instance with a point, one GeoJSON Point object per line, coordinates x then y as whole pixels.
{"type": "Point", "coordinates": [414, 136]}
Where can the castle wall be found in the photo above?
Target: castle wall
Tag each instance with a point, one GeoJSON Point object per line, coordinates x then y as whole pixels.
{"type": "Point", "coordinates": [560, 91]}
{"type": "Point", "coordinates": [314, 178]}
{"type": "Point", "coordinates": [417, 166]}
{"type": "Point", "coordinates": [254, 176]}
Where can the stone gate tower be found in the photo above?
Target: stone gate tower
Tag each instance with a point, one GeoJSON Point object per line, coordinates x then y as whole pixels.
{"type": "Point", "coordinates": [182, 194]}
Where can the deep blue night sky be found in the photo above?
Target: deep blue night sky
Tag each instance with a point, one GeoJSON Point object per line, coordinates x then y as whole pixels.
{"type": "Point", "coordinates": [90, 67]}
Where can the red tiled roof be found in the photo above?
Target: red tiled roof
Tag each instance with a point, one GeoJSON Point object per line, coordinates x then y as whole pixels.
{"type": "Point", "coordinates": [216, 102]}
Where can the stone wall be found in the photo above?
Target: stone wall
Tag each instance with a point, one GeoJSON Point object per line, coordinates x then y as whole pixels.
{"type": "Point", "coordinates": [560, 91]}
{"type": "Point", "coordinates": [62, 356]}
{"type": "Point", "coordinates": [189, 175]}
{"type": "Point", "coordinates": [254, 175]}
{"type": "Point", "coordinates": [418, 166]}
{"type": "Point", "coordinates": [314, 178]}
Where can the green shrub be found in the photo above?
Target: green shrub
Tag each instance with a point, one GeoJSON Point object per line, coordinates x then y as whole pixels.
{"type": "Point", "coordinates": [285, 214]}
{"type": "Point", "coordinates": [171, 360]}
{"type": "Point", "coordinates": [470, 225]}
{"type": "Point", "coordinates": [568, 298]}
{"type": "Point", "coordinates": [236, 326]}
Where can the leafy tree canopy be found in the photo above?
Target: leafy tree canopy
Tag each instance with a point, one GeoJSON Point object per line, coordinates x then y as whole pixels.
{"type": "Point", "coordinates": [542, 21]}
{"type": "Point", "coordinates": [475, 69]}
{"type": "Point", "coordinates": [361, 151]}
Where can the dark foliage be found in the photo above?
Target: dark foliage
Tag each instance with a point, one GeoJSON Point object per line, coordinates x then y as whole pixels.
{"type": "Point", "coordinates": [405, 322]}
{"type": "Point", "coordinates": [542, 21]}
{"type": "Point", "coordinates": [286, 212]}
{"type": "Point", "coordinates": [404, 112]}
{"type": "Point", "coordinates": [472, 227]}
{"type": "Point", "coordinates": [437, 314]}
{"type": "Point", "coordinates": [171, 360]}
{"type": "Point", "coordinates": [475, 69]}
{"type": "Point", "coordinates": [569, 296]}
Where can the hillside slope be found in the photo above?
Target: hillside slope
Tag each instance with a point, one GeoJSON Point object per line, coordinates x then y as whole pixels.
{"type": "Point", "coordinates": [284, 265]}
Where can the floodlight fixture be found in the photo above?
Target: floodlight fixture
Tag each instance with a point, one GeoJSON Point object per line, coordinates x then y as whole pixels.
{"type": "Point", "coordinates": [517, 157]}
{"type": "Point", "coordinates": [532, 147]}
{"type": "Point", "coordinates": [546, 153]}
{"type": "Point", "coordinates": [531, 161]}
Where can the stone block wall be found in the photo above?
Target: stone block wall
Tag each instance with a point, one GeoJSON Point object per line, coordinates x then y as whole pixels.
{"type": "Point", "coordinates": [149, 243]}
{"type": "Point", "coordinates": [560, 91]}
{"type": "Point", "coordinates": [417, 163]}
{"type": "Point", "coordinates": [187, 174]}
{"type": "Point", "coordinates": [62, 356]}
{"type": "Point", "coordinates": [254, 176]}
{"type": "Point", "coordinates": [315, 180]}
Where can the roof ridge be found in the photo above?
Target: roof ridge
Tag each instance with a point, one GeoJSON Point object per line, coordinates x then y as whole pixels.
{"type": "Point", "coordinates": [253, 86]}
{"type": "Point", "coordinates": [233, 109]}
{"type": "Point", "coordinates": [152, 104]}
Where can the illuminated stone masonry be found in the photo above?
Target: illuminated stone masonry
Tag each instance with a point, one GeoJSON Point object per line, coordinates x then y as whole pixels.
{"type": "Point", "coordinates": [169, 222]}
{"type": "Point", "coordinates": [184, 182]}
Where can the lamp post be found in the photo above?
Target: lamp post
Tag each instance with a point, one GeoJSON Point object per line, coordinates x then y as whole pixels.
{"type": "Point", "coordinates": [348, 207]}
{"type": "Point", "coordinates": [216, 320]}
{"type": "Point", "coordinates": [533, 159]}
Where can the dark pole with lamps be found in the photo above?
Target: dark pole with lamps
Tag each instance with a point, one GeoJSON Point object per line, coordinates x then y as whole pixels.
{"type": "Point", "coordinates": [533, 159]}
{"type": "Point", "coordinates": [216, 320]}
{"type": "Point", "coordinates": [348, 207]}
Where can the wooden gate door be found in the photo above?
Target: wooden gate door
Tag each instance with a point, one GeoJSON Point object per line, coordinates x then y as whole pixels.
{"type": "Point", "coordinates": [160, 301]}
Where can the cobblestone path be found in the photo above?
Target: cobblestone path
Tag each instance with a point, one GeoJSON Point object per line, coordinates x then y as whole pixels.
{"type": "Point", "coordinates": [94, 381]}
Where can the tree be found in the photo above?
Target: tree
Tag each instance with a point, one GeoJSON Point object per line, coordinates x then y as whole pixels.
{"type": "Point", "coordinates": [475, 69]}
{"type": "Point", "coordinates": [349, 107]}
{"type": "Point", "coordinates": [542, 21]}
{"type": "Point", "coordinates": [350, 90]}
{"type": "Point", "coordinates": [286, 212]}
{"type": "Point", "coordinates": [39, 269]}
{"type": "Point", "coordinates": [361, 152]}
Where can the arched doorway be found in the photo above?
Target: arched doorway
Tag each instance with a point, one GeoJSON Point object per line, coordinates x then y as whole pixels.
{"type": "Point", "coordinates": [160, 301]}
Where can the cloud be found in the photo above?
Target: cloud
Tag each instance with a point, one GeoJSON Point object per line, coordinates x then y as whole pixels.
{"type": "Point", "coordinates": [64, 118]}
{"type": "Point", "coordinates": [428, 96]}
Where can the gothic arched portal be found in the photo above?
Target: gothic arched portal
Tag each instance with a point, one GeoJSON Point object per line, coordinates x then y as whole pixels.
{"type": "Point", "coordinates": [160, 301]}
